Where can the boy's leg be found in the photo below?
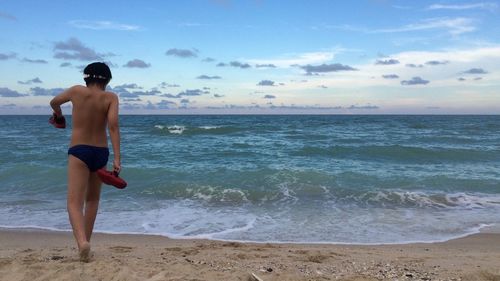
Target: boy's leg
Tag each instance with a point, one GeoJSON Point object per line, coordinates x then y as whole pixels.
{"type": "Point", "coordinates": [92, 203]}
{"type": "Point", "coordinates": [78, 175]}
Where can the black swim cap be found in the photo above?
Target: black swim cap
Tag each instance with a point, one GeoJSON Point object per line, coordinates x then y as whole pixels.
{"type": "Point", "coordinates": [97, 71]}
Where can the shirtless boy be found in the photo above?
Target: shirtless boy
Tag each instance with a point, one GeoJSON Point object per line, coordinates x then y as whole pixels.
{"type": "Point", "coordinates": [93, 109]}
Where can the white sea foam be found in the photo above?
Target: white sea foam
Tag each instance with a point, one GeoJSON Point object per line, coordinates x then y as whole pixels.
{"type": "Point", "coordinates": [288, 194]}
{"type": "Point", "coordinates": [176, 129]}
{"type": "Point", "coordinates": [179, 129]}
{"type": "Point", "coordinates": [209, 127]}
{"type": "Point", "coordinates": [249, 225]}
{"type": "Point", "coordinates": [430, 199]}
{"type": "Point", "coordinates": [283, 223]}
{"type": "Point", "coordinates": [161, 127]}
{"type": "Point", "coordinates": [203, 196]}
{"type": "Point", "coordinates": [211, 194]}
{"type": "Point", "coordinates": [173, 129]}
{"type": "Point", "coordinates": [473, 201]}
{"type": "Point", "coordinates": [229, 194]}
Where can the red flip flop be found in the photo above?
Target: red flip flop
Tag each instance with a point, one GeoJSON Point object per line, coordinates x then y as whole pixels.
{"type": "Point", "coordinates": [58, 122]}
{"type": "Point", "coordinates": [111, 178]}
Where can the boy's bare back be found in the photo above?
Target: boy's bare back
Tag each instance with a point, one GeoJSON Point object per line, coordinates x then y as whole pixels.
{"type": "Point", "coordinates": [93, 109]}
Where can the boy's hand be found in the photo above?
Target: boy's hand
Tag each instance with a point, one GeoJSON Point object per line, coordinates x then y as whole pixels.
{"type": "Point", "coordinates": [58, 121]}
{"type": "Point", "coordinates": [116, 166]}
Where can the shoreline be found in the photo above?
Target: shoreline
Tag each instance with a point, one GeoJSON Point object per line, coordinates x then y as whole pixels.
{"type": "Point", "coordinates": [491, 229]}
{"type": "Point", "coordinates": [28, 254]}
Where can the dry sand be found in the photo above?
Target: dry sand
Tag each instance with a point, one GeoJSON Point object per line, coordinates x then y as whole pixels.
{"type": "Point", "coordinates": [44, 255]}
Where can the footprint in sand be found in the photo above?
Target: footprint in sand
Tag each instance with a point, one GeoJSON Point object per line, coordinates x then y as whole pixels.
{"type": "Point", "coordinates": [121, 249]}
{"type": "Point", "coordinates": [29, 259]}
{"type": "Point", "coordinates": [5, 262]}
{"type": "Point", "coordinates": [174, 249]}
{"type": "Point", "coordinates": [57, 257]}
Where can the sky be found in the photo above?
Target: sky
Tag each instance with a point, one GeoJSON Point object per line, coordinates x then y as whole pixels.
{"type": "Point", "coordinates": [257, 56]}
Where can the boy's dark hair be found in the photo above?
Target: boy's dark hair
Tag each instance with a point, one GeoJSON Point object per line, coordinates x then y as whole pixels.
{"type": "Point", "coordinates": [97, 73]}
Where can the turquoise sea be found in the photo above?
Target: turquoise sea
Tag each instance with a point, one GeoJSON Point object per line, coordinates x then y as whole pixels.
{"type": "Point", "coordinates": [332, 179]}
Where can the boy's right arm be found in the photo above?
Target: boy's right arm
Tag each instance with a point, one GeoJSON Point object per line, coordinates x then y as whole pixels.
{"type": "Point", "coordinates": [114, 132]}
{"type": "Point", "coordinates": [60, 99]}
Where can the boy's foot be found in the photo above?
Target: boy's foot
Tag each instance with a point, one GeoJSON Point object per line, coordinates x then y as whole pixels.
{"type": "Point", "coordinates": [85, 252]}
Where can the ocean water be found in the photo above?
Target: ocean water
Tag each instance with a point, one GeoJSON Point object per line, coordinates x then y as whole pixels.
{"type": "Point", "coordinates": [331, 179]}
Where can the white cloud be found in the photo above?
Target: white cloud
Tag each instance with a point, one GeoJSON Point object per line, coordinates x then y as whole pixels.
{"type": "Point", "coordinates": [191, 24]}
{"type": "Point", "coordinates": [455, 26]}
{"type": "Point", "coordinates": [452, 55]}
{"type": "Point", "coordinates": [482, 5]}
{"type": "Point", "coordinates": [103, 25]}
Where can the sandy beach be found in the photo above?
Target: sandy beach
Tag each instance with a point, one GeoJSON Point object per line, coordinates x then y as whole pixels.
{"type": "Point", "coordinates": [47, 255]}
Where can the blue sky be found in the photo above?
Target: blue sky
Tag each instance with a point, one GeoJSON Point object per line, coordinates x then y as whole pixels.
{"type": "Point", "coordinates": [257, 56]}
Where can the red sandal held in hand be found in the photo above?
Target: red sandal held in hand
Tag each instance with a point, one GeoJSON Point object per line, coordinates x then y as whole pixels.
{"type": "Point", "coordinates": [58, 121]}
{"type": "Point", "coordinates": [111, 178]}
